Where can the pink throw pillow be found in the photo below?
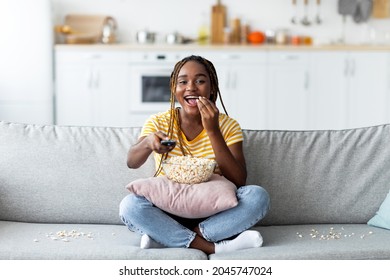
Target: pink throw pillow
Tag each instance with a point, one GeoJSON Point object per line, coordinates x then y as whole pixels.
{"type": "Point", "coordinates": [188, 201]}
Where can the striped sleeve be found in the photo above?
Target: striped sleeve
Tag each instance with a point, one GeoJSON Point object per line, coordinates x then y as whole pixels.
{"type": "Point", "coordinates": [231, 130]}
{"type": "Point", "coordinates": [150, 126]}
{"type": "Point", "coordinates": [157, 122]}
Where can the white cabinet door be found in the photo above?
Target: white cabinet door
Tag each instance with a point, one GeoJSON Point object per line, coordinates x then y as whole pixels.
{"type": "Point", "coordinates": [249, 97]}
{"type": "Point", "coordinates": [368, 91]}
{"type": "Point", "coordinates": [73, 94]}
{"type": "Point", "coordinates": [288, 91]}
{"type": "Point", "coordinates": [242, 82]}
{"type": "Point", "coordinates": [110, 102]}
{"type": "Point", "coordinates": [91, 89]}
{"type": "Point", "coordinates": [328, 98]}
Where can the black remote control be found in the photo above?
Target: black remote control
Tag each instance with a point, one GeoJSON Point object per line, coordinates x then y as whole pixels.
{"type": "Point", "coordinates": [168, 142]}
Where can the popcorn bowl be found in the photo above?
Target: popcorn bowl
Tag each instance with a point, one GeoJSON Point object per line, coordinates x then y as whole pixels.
{"type": "Point", "coordinates": [188, 169]}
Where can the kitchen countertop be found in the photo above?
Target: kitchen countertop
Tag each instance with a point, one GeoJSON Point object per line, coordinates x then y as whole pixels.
{"type": "Point", "coordinates": [186, 47]}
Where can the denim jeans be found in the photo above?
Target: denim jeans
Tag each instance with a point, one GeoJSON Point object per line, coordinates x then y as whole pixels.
{"type": "Point", "coordinates": [141, 216]}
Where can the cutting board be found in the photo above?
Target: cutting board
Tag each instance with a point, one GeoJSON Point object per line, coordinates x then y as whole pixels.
{"type": "Point", "coordinates": [83, 29]}
{"type": "Point", "coordinates": [218, 23]}
{"type": "Point", "coordinates": [381, 8]}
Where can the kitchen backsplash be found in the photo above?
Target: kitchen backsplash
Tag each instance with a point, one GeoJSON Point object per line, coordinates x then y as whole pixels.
{"type": "Point", "coordinates": [186, 17]}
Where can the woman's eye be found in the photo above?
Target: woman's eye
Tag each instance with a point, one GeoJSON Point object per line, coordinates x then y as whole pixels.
{"type": "Point", "coordinates": [182, 82]}
{"type": "Point", "coordinates": [200, 81]}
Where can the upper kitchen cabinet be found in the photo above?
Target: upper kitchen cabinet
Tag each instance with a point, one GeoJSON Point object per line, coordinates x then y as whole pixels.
{"type": "Point", "coordinates": [91, 88]}
{"type": "Point", "coordinates": [349, 89]}
{"type": "Point", "coordinates": [242, 82]}
{"type": "Point", "coordinates": [288, 90]}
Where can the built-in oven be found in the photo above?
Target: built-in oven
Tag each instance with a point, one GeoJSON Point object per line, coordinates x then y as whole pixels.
{"type": "Point", "coordinates": [150, 76]}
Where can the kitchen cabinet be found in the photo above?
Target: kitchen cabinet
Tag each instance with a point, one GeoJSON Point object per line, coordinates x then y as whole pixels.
{"type": "Point", "coordinates": [349, 89]}
{"type": "Point", "coordinates": [327, 89]}
{"type": "Point", "coordinates": [262, 89]}
{"type": "Point", "coordinates": [287, 91]}
{"type": "Point", "coordinates": [368, 79]}
{"type": "Point", "coordinates": [328, 100]}
{"type": "Point", "coordinates": [242, 82]}
{"type": "Point", "coordinates": [91, 88]}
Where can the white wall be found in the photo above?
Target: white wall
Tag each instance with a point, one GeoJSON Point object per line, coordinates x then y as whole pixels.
{"type": "Point", "coordinates": [185, 16]}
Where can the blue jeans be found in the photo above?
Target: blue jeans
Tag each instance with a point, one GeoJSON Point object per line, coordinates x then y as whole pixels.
{"type": "Point", "coordinates": [141, 216]}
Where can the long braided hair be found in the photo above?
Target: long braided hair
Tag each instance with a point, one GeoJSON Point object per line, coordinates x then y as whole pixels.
{"type": "Point", "coordinates": [174, 119]}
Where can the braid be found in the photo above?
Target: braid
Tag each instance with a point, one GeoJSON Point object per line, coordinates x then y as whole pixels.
{"type": "Point", "coordinates": [174, 119]}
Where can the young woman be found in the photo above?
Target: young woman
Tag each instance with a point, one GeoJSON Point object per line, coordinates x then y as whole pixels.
{"type": "Point", "coordinates": [200, 130]}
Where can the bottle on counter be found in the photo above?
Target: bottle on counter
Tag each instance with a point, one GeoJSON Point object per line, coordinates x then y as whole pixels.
{"type": "Point", "coordinates": [245, 30]}
{"type": "Point", "coordinates": [227, 35]}
{"type": "Point", "coordinates": [235, 31]}
{"type": "Point", "coordinates": [203, 31]}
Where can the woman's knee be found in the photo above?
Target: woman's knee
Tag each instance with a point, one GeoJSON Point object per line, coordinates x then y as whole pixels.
{"type": "Point", "coordinates": [257, 197]}
{"type": "Point", "coordinates": [131, 205]}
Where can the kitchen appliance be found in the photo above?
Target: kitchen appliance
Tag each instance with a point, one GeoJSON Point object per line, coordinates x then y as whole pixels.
{"type": "Point", "coordinates": [26, 61]}
{"type": "Point", "coordinates": [109, 31]}
{"type": "Point", "coordinates": [146, 37]}
{"type": "Point", "coordinates": [177, 38]}
{"type": "Point", "coordinates": [149, 81]}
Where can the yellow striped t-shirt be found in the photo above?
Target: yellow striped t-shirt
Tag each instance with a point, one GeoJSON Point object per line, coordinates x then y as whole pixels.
{"type": "Point", "coordinates": [201, 145]}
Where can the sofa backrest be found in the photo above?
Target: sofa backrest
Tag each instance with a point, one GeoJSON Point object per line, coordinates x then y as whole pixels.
{"type": "Point", "coordinates": [70, 174]}
{"type": "Point", "coordinates": [330, 176]}
{"type": "Point", "coordinates": [63, 174]}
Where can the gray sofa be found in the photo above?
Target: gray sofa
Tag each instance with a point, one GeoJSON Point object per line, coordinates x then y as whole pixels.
{"type": "Point", "coordinates": [60, 188]}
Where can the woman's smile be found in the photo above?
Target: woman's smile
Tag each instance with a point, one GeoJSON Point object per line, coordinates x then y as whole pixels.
{"type": "Point", "coordinates": [191, 100]}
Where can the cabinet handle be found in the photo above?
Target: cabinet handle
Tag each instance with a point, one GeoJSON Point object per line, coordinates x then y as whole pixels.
{"type": "Point", "coordinates": [346, 67]}
{"type": "Point", "coordinates": [290, 57]}
{"type": "Point", "coordinates": [228, 80]}
{"type": "Point", "coordinates": [234, 57]}
{"type": "Point", "coordinates": [93, 79]}
{"type": "Point", "coordinates": [307, 80]}
{"type": "Point", "coordinates": [97, 79]}
{"type": "Point", "coordinates": [353, 67]}
{"type": "Point", "coordinates": [350, 67]}
{"type": "Point", "coordinates": [234, 80]}
{"type": "Point", "coordinates": [90, 78]}
{"type": "Point", "coordinates": [95, 56]}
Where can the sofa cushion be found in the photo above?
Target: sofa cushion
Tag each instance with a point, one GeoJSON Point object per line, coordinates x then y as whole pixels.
{"type": "Point", "coordinates": [317, 242]}
{"type": "Point", "coordinates": [32, 241]}
{"type": "Point", "coordinates": [65, 174]}
{"type": "Point", "coordinates": [382, 217]}
{"type": "Point", "coordinates": [330, 176]}
{"type": "Point", "coordinates": [187, 200]}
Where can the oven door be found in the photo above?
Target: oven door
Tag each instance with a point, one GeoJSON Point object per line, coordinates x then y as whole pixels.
{"type": "Point", "coordinates": [150, 88]}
